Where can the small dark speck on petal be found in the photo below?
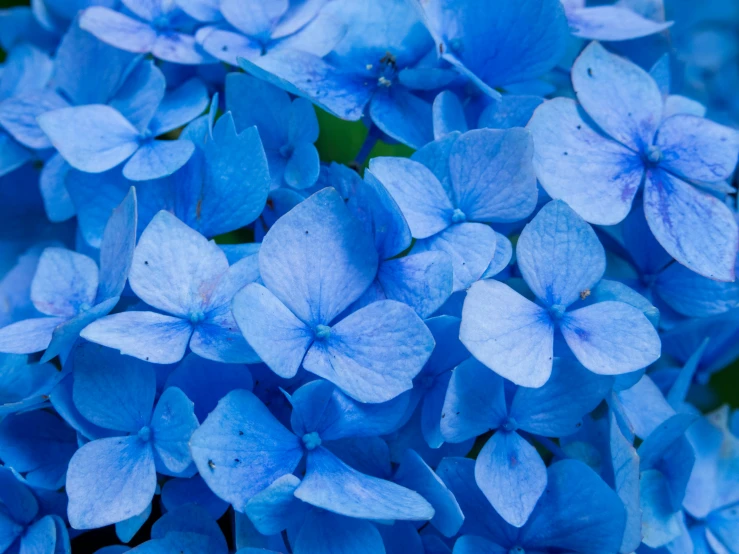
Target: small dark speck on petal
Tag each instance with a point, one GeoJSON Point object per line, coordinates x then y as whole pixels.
{"type": "Point", "coordinates": [566, 154]}
{"type": "Point", "coordinates": [211, 465]}
{"type": "Point", "coordinates": [146, 262]}
{"type": "Point", "coordinates": [579, 127]}
{"type": "Point", "coordinates": [590, 71]}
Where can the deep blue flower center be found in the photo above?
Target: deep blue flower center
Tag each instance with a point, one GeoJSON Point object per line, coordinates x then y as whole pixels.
{"type": "Point", "coordinates": [455, 45]}
{"type": "Point", "coordinates": [648, 279]}
{"type": "Point", "coordinates": [517, 550]}
{"type": "Point", "coordinates": [510, 425]}
{"type": "Point", "coordinates": [286, 150]}
{"type": "Point", "coordinates": [654, 154]}
{"type": "Point", "coordinates": [84, 307]}
{"type": "Point", "coordinates": [386, 70]}
{"type": "Point", "coordinates": [160, 23]}
{"type": "Point", "coordinates": [145, 433]}
{"type": "Point", "coordinates": [458, 216]}
{"type": "Point", "coordinates": [196, 317]}
{"type": "Point", "coordinates": [322, 332]}
{"type": "Point", "coordinates": [146, 135]}
{"type": "Point", "coordinates": [312, 440]}
{"type": "Point", "coordinates": [557, 311]}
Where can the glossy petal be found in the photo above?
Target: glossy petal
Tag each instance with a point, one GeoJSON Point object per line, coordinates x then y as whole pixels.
{"type": "Point", "coordinates": [91, 138]}
{"type": "Point", "coordinates": [508, 333]}
{"type": "Point", "coordinates": [374, 353]}
{"type": "Point", "coordinates": [241, 448]}
{"type": "Point", "coordinates": [611, 338]}
{"type": "Point", "coordinates": [622, 98]}
{"type": "Point", "coordinates": [110, 480]}
{"type": "Point", "coordinates": [334, 486]}
{"type": "Point", "coordinates": [596, 176]}
{"type": "Point", "coordinates": [559, 255]}
{"type": "Point", "coordinates": [694, 227]}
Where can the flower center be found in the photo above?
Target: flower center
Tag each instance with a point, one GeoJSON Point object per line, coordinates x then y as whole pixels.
{"type": "Point", "coordinates": [557, 311]}
{"type": "Point", "coordinates": [160, 23]}
{"type": "Point", "coordinates": [459, 216]}
{"type": "Point", "coordinates": [84, 307]}
{"type": "Point", "coordinates": [654, 154]}
{"type": "Point", "coordinates": [197, 317]}
{"type": "Point", "coordinates": [145, 433]}
{"type": "Point", "coordinates": [510, 425]}
{"type": "Point", "coordinates": [311, 440]}
{"type": "Point", "coordinates": [517, 550]}
{"type": "Point", "coordinates": [286, 150]}
{"type": "Point", "coordinates": [322, 332]}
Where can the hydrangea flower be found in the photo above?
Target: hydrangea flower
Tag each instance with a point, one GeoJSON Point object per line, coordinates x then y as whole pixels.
{"type": "Point", "coordinates": [157, 27]}
{"type": "Point", "coordinates": [70, 290]}
{"type": "Point", "coordinates": [178, 271]}
{"type": "Point", "coordinates": [112, 479]}
{"type": "Point", "coordinates": [97, 137]}
{"type": "Point", "coordinates": [287, 128]}
{"type": "Point", "coordinates": [598, 163]}
{"type": "Point", "coordinates": [23, 528]}
{"type": "Point", "coordinates": [561, 261]}
{"type": "Point", "coordinates": [241, 434]}
{"type": "Point", "coordinates": [448, 197]}
{"type": "Point", "coordinates": [314, 263]}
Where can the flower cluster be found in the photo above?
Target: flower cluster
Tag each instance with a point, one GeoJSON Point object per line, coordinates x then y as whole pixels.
{"type": "Point", "coordinates": [216, 339]}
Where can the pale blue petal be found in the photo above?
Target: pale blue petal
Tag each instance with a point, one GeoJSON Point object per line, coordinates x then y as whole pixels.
{"type": "Point", "coordinates": [180, 49]}
{"type": "Point", "coordinates": [241, 448]}
{"type": "Point", "coordinates": [139, 96]}
{"type": "Point", "coordinates": [694, 295]}
{"type": "Point", "coordinates": [448, 114]}
{"type": "Point", "coordinates": [116, 249]}
{"type": "Point", "coordinates": [29, 335]}
{"type": "Point", "coordinates": [502, 189]}
{"type": "Point", "coordinates": [611, 338]}
{"type": "Point", "coordinates": [254, 18]}
{"type": "Point", "coordinates": [278, 337]}
{"type": "Point", "coordinates": [149, 336]}
{"type": "Point", "coordinates": [110, 480]}
{"type": "Point", "coordinates": [331, 534]}
{"type": "Point", "coordinates": [559, 255]}
{"type": "Point", "coordinates": [317, 259]}
{"type": "Point", "coordinates": [179, 492]}
{"type": "Point", "coordinates": [508, 333]}
{"type": "Point", "coordinates": [402, 116]}
{"type": "Point", "coordinates": [118, 30]}
{"type": "Point", "coordinates": [374, 353]}
{"type": "Point", "coordinates": [65, 282]}
{"type": "Point", "coordinates": [91, 138]}
{"type": "Point", "coordinates": [275, 508]}
{"type": "Point", "coordinates": [612, 23]}
{"type": "Point", "coordinates": [125, 530]}
{"type": "Point", "coordinates": [40, 537]}
{"type": "Point", "coordinates": [596, 176]}
{"type": "Point", "coordinates": [172, 425]}
{"type": "Point", "coordinates": [334, 486]}
{"type": "Point", "coordinates": [179, 107]}
{"type": "Point", "coordinates": [501, 258]}
{"type": "Point", "coordinates": [695, 228]}
{"type": "Point", "coordinates": [18, 117]}
{"type": "Point", "coordinates": [254, 102]}
{"type": "Point", "coordinates": [622, 98]}
{"type": "Point", "coordinates": [52, 182]}
{"type": "Point", "coordinates": [158, 158]}
{"type": "Point", "coordinates": [512, 475]}
{"type": "Point", "coordinates": [660, 523]}
{"type": "Point", "coordinates": [510, 111]}
{"type": "Point", "coordinates": [422, 199]}
{"type": "Point", "coordinates": [218, 338]}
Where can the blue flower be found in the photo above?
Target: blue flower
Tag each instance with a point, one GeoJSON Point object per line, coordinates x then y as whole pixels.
{"type": "Point", "coordinates": [611, 23]}
{"type": "Point", "coordinates": [598, 170]}
{"type": "Point", "coordinates": [157, 27]}
{"type": "Point", "coordinates": [314, 263]}
{"type": "Point", "coordinates": [241, 449]}
{"type": "Point", "coordinates": [98, 137]}
{"type": "Point", "coordinates": [447, 196]}
{"type": "Point", "coordinates": [178, 271]}
{"type": "Point", "coordinates": [112, 479]}
{"type": "Point", "coordinates": [72, 292]}
{"type": "Point", "coordinates": [561, 261]}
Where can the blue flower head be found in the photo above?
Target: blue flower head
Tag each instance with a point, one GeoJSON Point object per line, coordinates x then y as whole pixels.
{"type": "Point", "coordinates": [561, 261]}
{"type": "Point", "coordinates": [631, 135]}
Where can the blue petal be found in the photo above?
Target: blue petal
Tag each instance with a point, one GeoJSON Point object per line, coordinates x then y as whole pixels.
{"type": "Point", "coordinates": [22, 385]}
{"type": "Point", "coordinates": [116, 250]}
{"type": "Point", "coordinates": [414, 474]}
{"type": "Point", "coordinates": [502, 43]}
{"type": "Point", "coordinates": [179, 107]}
{"type": "Point", "coordinates": [503, 188]}
{"type": "Point", "coordinates": [149, 336]}
{"type": "Point", "coordinates": [139, 96]}
{"type": "Point", "coordinates": [206, 382]}
{"type": "Point", "coordinates": [469, 246]}
{"type": "Point", "coordinates": [125, 530]}
{"type": "Point", "coordinates": [29, 335]}
{"type": "Point", "coordinates": [694, 295]}
{"type": "Point", "coordinates": [218, 338]}
{"type": "Point", "coordinates": [501, 258]}
{"type": "Point", "coordinates": [448, 115]}
{"type": "Point", "coordinates": [303, 167]}
{"type": "Point", "coordinates": [241, 448]}
{"type": "Point", "coordinates": [65, 282]}
{"type": "Point", "coordinates": [331, 534]}
{"type": "Point", "coordinates": [110, 480]}
{"type": "Point", "coordinates": [475, 402]}
{"type": "Point", "coordinates": [577, 508]}
{"type": "Point", "coordinates": [596, 176]}
{"type": "Point", "coordinates": [695, 228]}
{"type": "Point", "coordinates": [180, 49]}
{"type": "Point", "coordinates": [18, 501]}
{"type": "Point", "coordinates": [303, 124]}
{"type": "Point", "coordinates": [697, 149]}
{"type": "Point", "coordinates": [317, 259]}
{"type": "Point", "coordinates": [422, 199]}
{"type": "Point", "coordinates": [611, 338]}
{"type": "Point", "coordinates": [27, 69]}
{"type": "Point", "coordinates": [191, 520]}
{"type": "Point", "coordinates": [275, 508]}
{"type": "Point", "coordinates": [517, 343]}
{"type": "Point", "coordinates": [254, 102]}
{"type": "Point", "coordinates": [278, 337]}
{"type": "Point", "coordinates": [512, 475]}
{"type": "Point", "coordinates": [510, 111]}
{"type": "Point", "coordinates": [622, 98]}
{"type": "Point", "coordinates": [660, 523]}
{"type": "Point", "coordinates": [18, 117]}
{"type": "Point", "coordinates": [172, 425]}
{"type": "Point", "coordinates": [91, 138]}
{"type": "Point", "coordinates": [40, 537]}
{"type": "Point", "coordinates": [612, 23]}
{"type": "Point", "coordinates": [374, 353]}
{"type": "Point", "coordinates": [334, 486]}
{"type": "Point", "coordinates": [179, 492]}
{"type": "Point", "coordinates": [52, 182]}
{"type": "Point", "coordinates": [402, 116]}
{"type": "Point", "coordinates": [102, 374]}
{"type": "Point", "coordinates": [253, 18]}
{"type": "Point", "coordinates": [175, 268]}
{"type": "Point", "coordinates": [158, 158]}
